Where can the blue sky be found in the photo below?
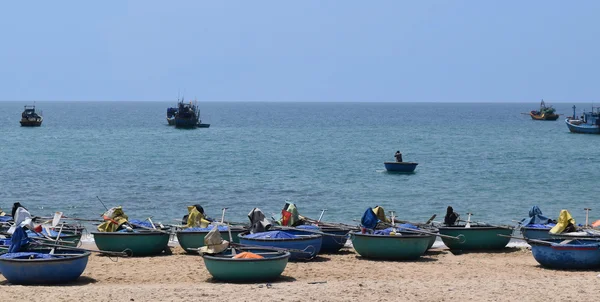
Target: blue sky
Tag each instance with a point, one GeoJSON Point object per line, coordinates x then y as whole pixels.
{"type": "Point", "coordinates": [432, 51]}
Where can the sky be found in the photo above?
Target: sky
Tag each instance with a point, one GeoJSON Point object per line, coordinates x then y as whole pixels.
{"type": "Point", "coordinates": [304, 50]}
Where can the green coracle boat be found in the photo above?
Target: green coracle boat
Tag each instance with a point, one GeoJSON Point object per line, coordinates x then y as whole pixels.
{"type": "Point", "coordinates": [391, 247]}
{"type": "Point", "coordinates": [225, 268]}
{"type": "Point", "coordinates": [476, 237]}
{"type": "Point", "coordinates": [195, 239]}
{"type": "Point", "coordinates": [135, 243]}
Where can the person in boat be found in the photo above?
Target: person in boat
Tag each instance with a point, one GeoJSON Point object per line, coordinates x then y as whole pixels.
{"type": "Point", "coordinates": [451, 217]}
{"type": "Point", "coordinates": [398, 156]}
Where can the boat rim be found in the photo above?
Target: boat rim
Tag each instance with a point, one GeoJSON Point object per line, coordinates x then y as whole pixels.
{"type": "Point", "coordinates": [408, 163]}
{"type": "Point", "coordinates": [299, 238]}
{"type": "Point", "coordinates": [284, 255]}
{"type": "Point", "coordinates": [147, 233]}
{"type": "Point", "coordinates": [67, 258]}
{"type": "Point", "coordinates": [405, 236]}
{"type": "Point", "coordinates": [206, 232]}
{"type": "Point", "coordinates": [475, 227]}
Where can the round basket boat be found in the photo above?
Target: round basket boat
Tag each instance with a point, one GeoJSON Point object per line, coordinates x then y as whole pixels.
{"type": "Point", "coordinates": [309, 244]}
{"type": "Point", "coordinates": [226, 268]}
{"type": "Point", "coordinates": [390, 247]}
{"type": "Point", "coordinates": [134, 243]}
{"type": "Point", "coordinates": [402, 167]}
{"type": "Point", "coordinates": [331, 244]}
{"type": "Point", "coordinates": [30, 268]}
{"type": "Point", "coordinates": [576, 254]}
{"type": "Point", "coordinates": [535, 233]}
{"type": "Point", "coordinates": [192, 239]}
{"type": "Point", "coordinates": [476, 237]}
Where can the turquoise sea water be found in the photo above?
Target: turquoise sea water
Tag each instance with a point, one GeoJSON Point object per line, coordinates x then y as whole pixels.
{"type": "Point", "coordinates": [487, 159]}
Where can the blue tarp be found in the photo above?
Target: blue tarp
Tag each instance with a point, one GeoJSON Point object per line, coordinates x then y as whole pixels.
{"type": "Point", "coordinates": [272, 234]}
{"type": "Point", "coordinates": [541, 226]}
{"type": "Point", "coordinates": [535, 217]}
{"type": "Point", "coordinates": [146, 224]}
{"type": "Point", "coordinates": [5, 218]}
{"type": "Point", "coordinates": [369, 219]}
{"type": "Point", "coordinates": [409, 226]}
{"type": "Point", "coordinates": [17, 240]}
{"type": "Point", "coordinates": [383, 232]}
{"type": "Point", "coordinates": [221, 228]}
{"type": "Point", "coordinates": [26, 255]}
{"type": "Point", "coordinates": [52, 233]}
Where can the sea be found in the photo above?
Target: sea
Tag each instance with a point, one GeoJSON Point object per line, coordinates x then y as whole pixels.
{"type": "Point", "coordinates": [487, 159]}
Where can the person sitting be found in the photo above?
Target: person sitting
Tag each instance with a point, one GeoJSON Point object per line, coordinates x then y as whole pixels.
{"type": "Point", "coordinates": [398, 156]}
{"type": "Point", "coordinates": [451, 217]}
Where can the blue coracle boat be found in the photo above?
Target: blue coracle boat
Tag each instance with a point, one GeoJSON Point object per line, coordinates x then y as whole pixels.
{"type": "Point", "coordinates": [309, 244]}
{"type": "Point", "coordinates": [404, 167]}
{"type": "Point", "coordinates": [588, 123]}
{"type": "Point", "coordinates": [43, 268]}
{"type": "Point", "coordinates": [331, 244]}
{"type": "Point", "coordinates": [577, 254]}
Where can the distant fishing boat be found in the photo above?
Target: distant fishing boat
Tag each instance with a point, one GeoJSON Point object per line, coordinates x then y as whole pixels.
{"type": "Point", "coordinates": [545, 113]}
{"type": "Point", "coordinates": [185, 115]}
{"type": "Point", "coordinates": [405, 167]}
{"type": "Point", "coordinates": [30, 118]}
{"type": "Point", "coordinates": [589, 122]}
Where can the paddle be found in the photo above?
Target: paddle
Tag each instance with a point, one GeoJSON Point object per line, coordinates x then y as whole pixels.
{"type": "Point", "coordinates": [233, 252]}
{"type": "Point", "coordinates": [468, 225]}
{"type": "Point", "coordinates": [587, 213]}
{"type": "Point", "coordinates": [431, 219]}
{"type": "Point", "coordinates": [321, 216]}
{"type": "Point", "coordinates": [122, 254]}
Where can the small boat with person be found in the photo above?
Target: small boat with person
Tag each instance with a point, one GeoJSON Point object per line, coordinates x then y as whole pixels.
{"type": "Point", "coordinates": [545, 113]}
{"type": "Point", "coordinates": [399, 165]}
{"type": "Point", "coordinates": [30, 118]}
{"type": "Point", "coordinates": [588, 123]}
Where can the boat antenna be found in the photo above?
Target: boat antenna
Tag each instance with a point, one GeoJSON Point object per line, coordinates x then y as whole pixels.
{"type": "Point", "coordinates": [102, 202]}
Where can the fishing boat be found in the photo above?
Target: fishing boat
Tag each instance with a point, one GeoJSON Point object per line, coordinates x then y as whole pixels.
{"type": "Point", "coordinates": [302, 247]}
{"type": "Point", "coordinates": [30, 118]}
{"type": "Point", "coordinates": [545, 113]}
{"type": "Point", "coordinates": [589, 123]}
{"type": "Point", "coordinates": [476, 237]}
{"type": "Point", "coordinates": [536, 225]}
{"type": "Point", "coordinates": [190, 239]}
{"type": "Point", "coordinates": [136, 244]}
{"type": "Point", "coordinates": [572, 254]}
{"type": "Point", "coordinates": [402, 167]}
{"type": "Point", "coordinates": [334, 238]}
{"type": "Point", "coordinates": [266, 267]}
{"type": "Point", "coordinates": [396, 246]}
{"type": "Point", "coordinates": [187, 115]}
{"type": "Point", "coordinates": [43, 267]}
{"type": "Point", "coordinates": [171, 113]}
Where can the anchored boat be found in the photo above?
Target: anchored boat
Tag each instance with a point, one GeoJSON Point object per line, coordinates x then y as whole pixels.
{"type": "Point", "coordinates": [30, 118]}
{"type": "Point", "coordinates": [43, 267]}
{"type": "Point", "coordinates": [477, 237]}
{"type": "Point", "coordinates": [545, 113]}
{"type": "Point", "coordinates": [186, 115]}
{"type": "Point", "coordinates": [138, 243]}
{"type": "Point", "coordinates": [588, 123]}
{"type": "Point", "coordinates": [566, 254]}
{"type": "Point", "coordinates": [395, 246]}
{"type": "Point", "coordinates": [403, 167]}
{"type": "Point", "coordinates": [247, 264]}
{"type": "Point", "coordinates": [191, 239]}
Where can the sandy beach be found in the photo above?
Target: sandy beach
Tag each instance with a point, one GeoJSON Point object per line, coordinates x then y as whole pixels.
{"type": "Point", "coordinates": [440, 275]}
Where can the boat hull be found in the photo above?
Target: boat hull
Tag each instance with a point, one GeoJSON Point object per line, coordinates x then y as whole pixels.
{"type": "Point", "coordinates": [139, 244]}
{"type": "Point", "coordinates": [44, 271]}
{"type": "Point", "coordinates": [227, 269]}
{"type": "Point", "coordinates": [535, 233]}
{"type": "Point", "coordinates": [311, 244]}
{"type": "Point", "coordinates": [186, 123]}
{"type": "Point", "coordinates": [544, 117]}
{"type": "Point", "coordinates": [403, 167]}
{"type": "Point", "coordinates": [580, 255]}
{"type": "Point", "coordinates": [28, 123]}
{"type": "Point", "coordinates": [195, 240]}
{"type": "Point", "coordinates": [390, 247]}
{"type": "Point", "coordinates": [330, 244]}
{"type": "Point", "coordinates": [476, 237]}
{"type": "Point", "coordinates": [583, 128]}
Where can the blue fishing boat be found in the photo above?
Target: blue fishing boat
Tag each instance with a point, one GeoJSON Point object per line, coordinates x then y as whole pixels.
{"type": "Point", "coordinates": [302, 247]}
{"type": "Point", "coordinates": [187, 115]}
{"type": "Point", "coordinates": [403, 167]}
{"type": "Point", "coordinates": [588, 123]}
{"type": "Point", "coordinates": [30, 118]}
{"type": "Point", "coordinates": [333, 242]}
{"type": "Point", "coordinates": [536, 226]}
{"type": "Point", "coordinates": [42, 267]}
{"type": "Point", "coordinates": [573, 254]}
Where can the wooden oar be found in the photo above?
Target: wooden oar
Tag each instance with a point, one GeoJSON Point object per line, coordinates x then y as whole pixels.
{"type": "Point", "coordinates": [460, 238]}
{"type": "Point", "coordinates": [532, 240]}
{"type": "Point", "coordinates": [122, 254]}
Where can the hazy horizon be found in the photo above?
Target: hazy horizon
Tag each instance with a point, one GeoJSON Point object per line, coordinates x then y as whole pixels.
{"type": "Point", "coordinates": [309, 51]}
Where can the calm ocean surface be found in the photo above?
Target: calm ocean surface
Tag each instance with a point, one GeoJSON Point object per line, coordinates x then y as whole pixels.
{"type": "Point", "coordinates": [487, 159]}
